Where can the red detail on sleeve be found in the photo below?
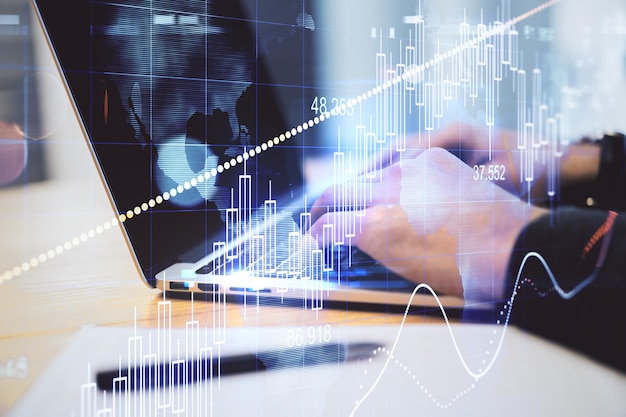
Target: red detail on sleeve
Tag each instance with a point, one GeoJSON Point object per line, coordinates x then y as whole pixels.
{"type": "Point", "coordinates": [600, 233]}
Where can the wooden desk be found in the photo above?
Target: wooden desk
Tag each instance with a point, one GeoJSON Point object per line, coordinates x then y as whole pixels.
{"type": "Point", "coordinates": [94, 283]}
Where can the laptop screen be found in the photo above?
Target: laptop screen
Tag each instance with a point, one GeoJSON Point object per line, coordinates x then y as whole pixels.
{"type": "Point", "coordinates": [169, 91]}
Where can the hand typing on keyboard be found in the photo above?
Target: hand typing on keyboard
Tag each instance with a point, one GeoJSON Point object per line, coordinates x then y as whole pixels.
{"type": "Point", "coordinates": [429, 220]}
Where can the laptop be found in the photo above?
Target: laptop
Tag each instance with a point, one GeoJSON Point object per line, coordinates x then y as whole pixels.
{"type": "Point", "coordinates": [207, 121]}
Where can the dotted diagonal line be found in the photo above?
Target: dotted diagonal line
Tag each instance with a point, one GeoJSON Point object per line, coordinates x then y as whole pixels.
{"type": "Point", "coordinates": [58, 250]}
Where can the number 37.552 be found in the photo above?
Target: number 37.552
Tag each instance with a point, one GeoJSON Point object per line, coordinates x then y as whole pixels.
{"type": "Point", "coordinates": [489, 172]}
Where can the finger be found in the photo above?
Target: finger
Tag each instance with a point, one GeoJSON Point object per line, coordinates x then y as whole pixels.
{"type": "Point", "coordinates": [411, 147]}
{"type": "Point", "coordinates": [463, 140]}
{"type": "Point", "coordinates": [337, 227]}
{"type": "Point", "coordinates": [362, 228]}
{"type": "Point", "coordinates": [359, 195]}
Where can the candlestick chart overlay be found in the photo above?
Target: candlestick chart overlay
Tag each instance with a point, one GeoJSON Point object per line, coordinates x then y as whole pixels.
{"type": "Point", "coordinates": [237, 119]}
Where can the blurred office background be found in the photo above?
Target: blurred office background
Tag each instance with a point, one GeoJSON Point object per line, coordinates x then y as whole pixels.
{"type": "Point", "coordinates": [34, 101]}
{"type": "Point", "coordinates": [19, 95]}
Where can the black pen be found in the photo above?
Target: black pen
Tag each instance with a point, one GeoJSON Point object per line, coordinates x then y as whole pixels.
{"type": "Point", "coordinates": [197, 370]}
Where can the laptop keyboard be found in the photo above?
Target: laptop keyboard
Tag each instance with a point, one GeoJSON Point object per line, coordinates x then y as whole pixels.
{"type": "Point", "coordinates": [349, 266]}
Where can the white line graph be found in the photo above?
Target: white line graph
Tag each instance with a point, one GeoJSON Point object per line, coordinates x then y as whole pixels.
{"type": "Point", "coordinates": [565, 294]}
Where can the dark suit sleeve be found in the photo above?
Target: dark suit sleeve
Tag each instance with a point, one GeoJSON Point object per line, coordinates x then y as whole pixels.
{"type": "Point", "coordinates": [567, 279]}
